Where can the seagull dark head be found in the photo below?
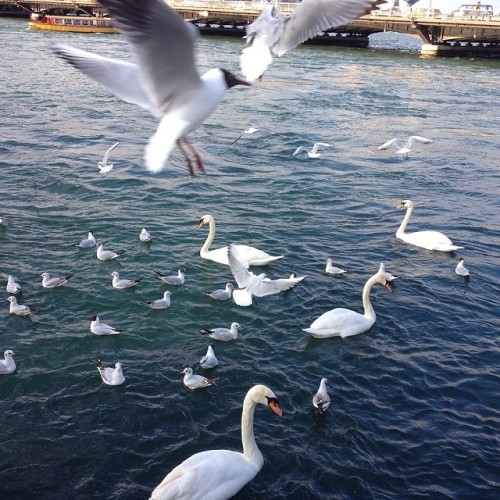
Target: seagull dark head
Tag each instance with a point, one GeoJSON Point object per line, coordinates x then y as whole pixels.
{"type": "Point", "coordinates": [232, 81]}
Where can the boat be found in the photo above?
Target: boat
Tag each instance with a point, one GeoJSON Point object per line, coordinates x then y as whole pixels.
{"type": "Point", "coordinates": [74, 24]}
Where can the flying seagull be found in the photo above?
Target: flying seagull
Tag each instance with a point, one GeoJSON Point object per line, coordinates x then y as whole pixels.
{"type": "Point", "coordinates": [404, 148]}
{"type": "Point", "coordinates": [104, 166]}
{"type": "Point", "coordinates": [164, 80]}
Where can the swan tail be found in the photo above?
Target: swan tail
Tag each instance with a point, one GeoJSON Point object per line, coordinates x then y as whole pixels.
{"type": "Point", "coordinates": [447, 248]}
{"type": "Point", "coordinates": [320, 333]}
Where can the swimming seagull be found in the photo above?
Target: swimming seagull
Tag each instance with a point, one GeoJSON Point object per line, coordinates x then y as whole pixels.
{"type": "Point", "coordinates": [224, 334]}
{"type": "Point", "coordinates": [221, 294]}
{"type": "Point", "coordinates": [7, 365]}
{"type": "Point", "coordinates": [104, 166]}
{"type": "Point", "coordinates": [313, 153]}
{"type": "Point", "coordinates": [461, 269]}
{"type": "Point", "coordinates": [176, 279]}
{"type": "Point", "coordinates": [274, 33]}
{"type": "Point", "coordinates": [103, 254]}
{"type": "Point", "coordinates": [18, 309]}
{"type": "Point", "coordinates": [164, 81]}
{"type": "Point", "coordinates": [110, 376]}
{"type": "Point", "coordinates": [102, 328]}
{"type": "Point", "coordinates": [252, 129]}
{"type": "Point", "coordinates": [145, 235]}
{"type": "Point", "coordinates": [48, 282]}
{"type": "Point", "coordinates": [12, 286]}
{"type": "Point", "coordinates": [252, 285]}
{"type": "Point", "coordinates": [209, 360]}
{"type": "Point", "coordinates": [404, 148]}
{"type": "Point", "coordinates": [321, 400]}
{"type": "Point", "coordinates": [1, 221]}
{"type": "Point", "coordinates": [331, 269]}
{"type": "Point", "coordinates": [87, 242]}
{"type": "Point", "coordinates": [122, 283]}
{"type": "Point", "coordinates": [163, 303]}
{"type": "Point", "coordinates": [196, 381]}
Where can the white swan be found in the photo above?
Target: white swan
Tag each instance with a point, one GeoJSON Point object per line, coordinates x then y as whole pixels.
{"type": "Point", "coordinates": [220, 474]}
{"type": "Point", "coordinates": [430, 240]}
{"type": "Point", "coordinates": [344, 323]}
{"type": "Point", "coordinates": [253, 256]}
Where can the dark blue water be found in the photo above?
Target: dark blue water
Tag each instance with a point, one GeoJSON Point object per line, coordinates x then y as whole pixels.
{"type": "Point", "coordinates": [414, 408]}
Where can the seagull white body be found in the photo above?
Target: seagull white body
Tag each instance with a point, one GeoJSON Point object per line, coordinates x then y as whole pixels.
{"type": "Point", "coordinates": [221, 294]}
{"type": "Point", "coordinates": [209, 360]}
{"type": "Point", "coordinates": [175, 279]}
{"type": "Point", "coordinates": [163, 303]}
{"type": "Point", "coordinates": [224, 334]}
{"type": "Point", "coordinates": [461, 270]}
{"type": "Point", "coordinates": [321, 400]}
{"type": "Point", "coordinates": [18, 309]}
{"type": "Point", "coordinates": [12, 286]}
{"type": "Point", "coordinates": [430, 240]}
{"type": "Point", "coordinates": [7, 365]}
{"type": "Point", "coordinates": [110, 376]}
{"type": "Point", "coordinates": [164, 81]}
{"type": "Point", "coordinates": [103, 254]}
{"type": "Point", "coordinates": [48, 282]}
{"type": "Point", "coordinates": [252, 285]}
{"type": "Point", "coordinates": [88, 242]}
{"type": "Point", "coordinates": [273, 33]}
{"type": "Point", "coordinates": [313, 153]}
{"type": "Point", "coordinates": [252, 255]}
{"type": "Point", "coordinates": [102, 328]}
{"type": "Point", "coordinates": [404, 148]}
{"type": "Point", "coordinates": [331, 269]}
{"type": "Point", "coordinates": [196, 381]}
{"type": "Point", "coordinates": [145, 235]}
{"type": "Point", "coordinates": [123, 283]}
{"type": "Point", "coordinates": [104, 166]}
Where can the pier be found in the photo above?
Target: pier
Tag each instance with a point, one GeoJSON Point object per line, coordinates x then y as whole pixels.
{"type": "Point", "coordinates": [441, 35]}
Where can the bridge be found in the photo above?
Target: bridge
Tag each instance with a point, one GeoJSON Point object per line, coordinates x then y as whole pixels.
{"type": "Point", "coordinates": [441, 35]}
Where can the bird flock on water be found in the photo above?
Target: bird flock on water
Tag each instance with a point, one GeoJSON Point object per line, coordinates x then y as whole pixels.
{"type": "Point", "coordinates": [164, 80]}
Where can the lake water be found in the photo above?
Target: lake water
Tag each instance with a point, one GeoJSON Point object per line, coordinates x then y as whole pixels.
{"type": "Point", "coordinates": [414, 408]}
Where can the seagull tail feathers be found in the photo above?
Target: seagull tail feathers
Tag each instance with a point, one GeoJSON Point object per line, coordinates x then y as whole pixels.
{"type": "Point", "coordinates": [242, 298]}
{"type": "Point", "coordinates": [255, 59]}
{"type": "Point", "coordinates": [162, 143]}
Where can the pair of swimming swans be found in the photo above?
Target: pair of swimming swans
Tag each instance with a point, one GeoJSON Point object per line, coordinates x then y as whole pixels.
{"type": "Point", "coordinates": [251, 255]}
{"type": "Point", "coordinates": [220, 474]}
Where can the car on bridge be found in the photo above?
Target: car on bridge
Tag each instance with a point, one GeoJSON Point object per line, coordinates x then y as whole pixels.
{"type": "Point", "coordinates": [473, 11]}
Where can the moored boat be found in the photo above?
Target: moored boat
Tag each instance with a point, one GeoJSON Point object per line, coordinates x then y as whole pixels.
{"type": "Point", "coordinates": [75, 24]}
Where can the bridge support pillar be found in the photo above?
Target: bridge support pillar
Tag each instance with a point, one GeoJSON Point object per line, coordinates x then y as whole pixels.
{"type": "Point", "coordinates": [461, 50]}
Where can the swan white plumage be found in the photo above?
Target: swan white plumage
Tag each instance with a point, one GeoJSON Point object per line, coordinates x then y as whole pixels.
{"type": "Point", "coordinates": [430, 240]}
{"type": "Point", "coordinates": [344, 323]}
{"type": "Point", "coordinates": [253, 256]}
{"type": "Point", "coordinates": [220, 474]}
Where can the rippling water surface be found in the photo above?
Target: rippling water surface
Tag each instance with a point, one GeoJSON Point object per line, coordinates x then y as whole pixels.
{"type": "Point", "coordinates": [414, 401]}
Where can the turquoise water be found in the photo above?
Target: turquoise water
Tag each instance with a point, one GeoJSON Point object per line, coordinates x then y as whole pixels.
{"type": "Point", "coordinates": [414, 408]}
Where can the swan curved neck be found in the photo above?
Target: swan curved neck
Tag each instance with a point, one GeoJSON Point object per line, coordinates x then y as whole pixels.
{"type": "Point", "coordinates": [367, 304]}
{"type": "Point", "coordinates": [211, 233]}
{"type": "Point", "coordinates": [406, 219]}
{"type": "Point", "coordinates": [250, 449]}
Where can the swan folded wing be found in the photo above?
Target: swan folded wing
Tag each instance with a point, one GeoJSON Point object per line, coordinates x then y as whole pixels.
{"type": "Point", "coordinates": [120, 77]}
{"type": "Point", "coordinates": [339, 322]}
{"type": "Point", "coordinates": [431, 239]}
{"type": "Point", "coordinates": [153, 28]}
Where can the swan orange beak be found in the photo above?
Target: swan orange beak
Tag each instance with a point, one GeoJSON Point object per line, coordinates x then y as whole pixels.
{"type": "Point", "coordinates": [273, 404]}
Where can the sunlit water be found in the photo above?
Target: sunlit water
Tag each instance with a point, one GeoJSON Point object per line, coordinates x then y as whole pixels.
{"type": "Point", "coordinates": [414, 408]}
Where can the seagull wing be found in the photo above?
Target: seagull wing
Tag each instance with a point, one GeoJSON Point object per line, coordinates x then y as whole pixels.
{"type": "Point", "coordinates": [318, 145]}
{"type": "Point", "coordinates": [238, 138]}
{"type": "Point", "coordinates": [239, 268]}
{"type": "Point", "coordinates": [107, 153]}
{"type": "Point", "coordinates": [418, 138]}
{"type": "Point", "coordinates": [298, 150]}
{"type": "Point", "coordinates": [396, 141]}
{"type": "Point", "coordinates": [264, 286]}
{"type": "Point", "coordinates": [163, 46]}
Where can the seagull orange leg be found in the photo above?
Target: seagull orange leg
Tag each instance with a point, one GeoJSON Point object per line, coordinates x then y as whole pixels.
{"type": "Point", "coordinates": [199, 162]}
{"type": "Point", "coordinates": [185, 154]}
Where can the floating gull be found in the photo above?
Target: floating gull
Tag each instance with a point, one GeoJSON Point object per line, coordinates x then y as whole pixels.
{"type": "Point", "coordinates": [404, 149]}
{"type": "Point", "coordinates": [331, 269]}
{"type": "Point", "coordinates": [224, 334]}
{"type": "Point", "coordinates": [110, 376]}
{"type": "Point", "coordinates": [123, 283]}
{"type": "Point", "coordinates": [87, 242]}
{"type": "Point", "coordinates": [7, 365]}
{"type": "Point", "coordinates": [461, 269]}
{"type": "Point", "coordinates": [252, 255]}
{"type": "Point", "coordinates": [321, 400]}
{"type": "Point", "coordinates": [196, 381]}
{"type": "Point", "coordinates": [2, 220]}
{"type": "Point", "coordinates": [48, 282]}
{"type": "Point", "coordinates": [209, 360]}
{"type": "Point", "coordinates": [104, 166]}
{"type": "Point", "coordinates": [222, 294]}
{"type": "Point", "coordinates": [430, 240]}
{"type": "Point", "coordinates": [161, 303]}
{"type": "Point", "coordinates": [164, 81]}
{"type": "Point", "coordinates": [252, 129]}
{"type": "Point", "coordinates": [103, 254]}
{"type": "Point", "coordinates": [145, 235]}
{"type": "Point", "coordinates": [12, 286]}
{"type": "Point", "coordinates": [273, 33]}
{"type": "Point", "coordinates": [252, 285]}
{"type": "Point", "coordinates": [176, 279]}
{"type": "Point", "coordinates": [102, 328]}
{"type": "Point", "coordinates": [313, 153]}
{"type": "Point", "coordinates": [18, 309]}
